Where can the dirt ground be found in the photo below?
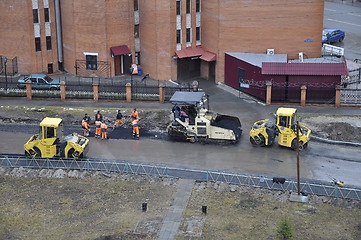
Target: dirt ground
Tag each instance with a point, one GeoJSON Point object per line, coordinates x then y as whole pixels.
{"type": "Point", "coordinates": [341, 128]}
{"type": "Point", "coordinates": [48, 204]}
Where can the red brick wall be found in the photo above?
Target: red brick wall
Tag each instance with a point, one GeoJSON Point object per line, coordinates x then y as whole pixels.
{"type": "Point", "coordinates": [255, 26]}
{"type": "Point", "coordinates": [17, 36]}
{"type": "Point", "coordinates": [96, 26]}
{"type": "Point", "coordinates": [158, 38]}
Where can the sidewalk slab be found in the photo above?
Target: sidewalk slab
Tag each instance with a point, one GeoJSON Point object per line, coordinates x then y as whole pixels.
{"type": "Point", "coordinates": [175, 211]}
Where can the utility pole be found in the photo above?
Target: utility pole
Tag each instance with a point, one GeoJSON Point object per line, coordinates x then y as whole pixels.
{"type": "Point", "coordinates": [298, 160]}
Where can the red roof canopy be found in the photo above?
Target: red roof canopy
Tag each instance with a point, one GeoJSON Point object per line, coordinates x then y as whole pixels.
{"type": "Point", "coordinates": [120, 50]}
{"type": "Point", "coordinates": [208, 56]}
{"type": "Point", "coordinates": [196, 52]}
{"type": "Point", "coordinates": [322, 69]}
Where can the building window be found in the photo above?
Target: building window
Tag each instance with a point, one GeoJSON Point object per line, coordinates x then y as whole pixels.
{"type": "Point", "coordinates": [46, 14]}
{"type": "Point", "coordinates": [188, 6]}
{"type": "Point", "coordinates": [137, 58]}
{"type": "Point", "coordinates": [136, 7]}
{"type": "Point", "coordinates": [37, 44]}
{"type": "Point", "coordinates": [198, 33]}
{"type": "Point", "coordinates": [198, 5]}
{"type": "Point", "coordinates": [136, 31]}
{"type": "Point", "coordinates": [50, 68]}
{"type": "Point", "coordinates": [178, 36]}
{"type": "Point", "coordinates": [178, 7]}
{"type": "Point", "coordinates": [91, 62]}
{"type": "Point", "coordinates": [48, 43]}
{"type": "Point", "coordinates": [35, 15]}
{"type": "Point", "coordinates": [188, 34]}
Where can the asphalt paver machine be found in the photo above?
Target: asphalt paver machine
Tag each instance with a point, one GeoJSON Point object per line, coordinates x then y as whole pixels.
{"type": "Point", "coordinates": [193, 121]}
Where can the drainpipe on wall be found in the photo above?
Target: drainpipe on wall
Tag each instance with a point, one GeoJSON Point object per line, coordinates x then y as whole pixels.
{"type": "Point", "coordinates": [59, 36]}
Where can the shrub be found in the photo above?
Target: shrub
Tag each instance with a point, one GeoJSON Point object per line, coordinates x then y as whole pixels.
{"type": "Point", "coordinates": [284, 228]}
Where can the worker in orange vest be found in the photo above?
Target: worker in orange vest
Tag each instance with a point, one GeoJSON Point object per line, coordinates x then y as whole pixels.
{"type": "Point", "coordinates": [98, 116]}
{"type": "Point", "coordinates": [97, 128]}
{"type": "Point", "coordinates": [135, 128]}
{"type": "Point", "coordinates": [134, 113]}
{"type": "Point", "coordinates": [104, 127]}
{"type": "Point", "coordinates": [85, 125]}
{"type": "Point", "coordinates": [119, 119]}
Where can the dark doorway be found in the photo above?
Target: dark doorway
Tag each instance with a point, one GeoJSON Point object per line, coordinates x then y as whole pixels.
{"type": "Point", "coordinates": [50, 68]}
{"type": "Point", "coordinates": [122, 64]}
{"type": "Point", "coordinates": [188, 68]}
{"type": "Point", "coordinates": [241, 77]}
{"type": "Point", "coordinates": [212, 71]}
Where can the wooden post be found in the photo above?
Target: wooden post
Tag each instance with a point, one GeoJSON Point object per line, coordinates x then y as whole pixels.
{"type": "Point", "coordinates": [29, 92]}
{"type": "Point", "coordinates": [268, 93]}
{"type": "Point", "coordinates": [62, 91]}
{"type": "Point", "coordinates": [96, 91]}
{"type": "Point", "coordinates": [338, 96]}
{"type": "Point", "coordinates": [303, 95]}
{"type": "Point", "coordinates": [129, 92]}
{"type": "Point", "coordinates": [161, 93]}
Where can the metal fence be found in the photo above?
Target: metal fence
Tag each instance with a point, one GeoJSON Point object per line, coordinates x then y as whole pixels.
{"type": "Point", "coordinates": [10, 67]}
{"type": "Point", "coordinates": [351, 96]}
{"type": "Point", "coordinates": [317, 188]}
{"type": "Point", "coordinates": [82, 88]}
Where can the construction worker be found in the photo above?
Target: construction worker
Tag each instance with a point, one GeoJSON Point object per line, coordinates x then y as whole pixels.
{"type": "Point", "coordinates": [98, 116]}
{"type": "Point", "coordinates": [104, 127]}
{"type": "Point", "coordinates": [134, 114]}
{"type": "Point", "coordinates": [135, 127]}
{"type": "Point", "coordinates": [97, 128]}
{"type": "Point", "coordinates": [85, 125]}
{"type": "Point", "coordinates": [119, 119]}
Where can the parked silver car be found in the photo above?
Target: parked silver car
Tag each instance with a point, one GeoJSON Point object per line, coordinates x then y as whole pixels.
{"type": "Point", "coordinates": [39, 81]}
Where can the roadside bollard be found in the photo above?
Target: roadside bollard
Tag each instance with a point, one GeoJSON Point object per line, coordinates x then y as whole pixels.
{"type": "Point", "coordinates": [204, 210]}
{"type": "Point", "coordinates": [144, 207]}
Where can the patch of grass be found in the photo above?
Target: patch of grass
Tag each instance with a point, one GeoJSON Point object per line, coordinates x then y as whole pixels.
{"type": "Point", "coordinates": [234, 215]}
{"type": "Point", "coordinates": [42, 208]}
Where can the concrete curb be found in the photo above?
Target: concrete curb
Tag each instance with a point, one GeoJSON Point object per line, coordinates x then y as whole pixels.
{"type": "Point", "coordinates": [325, 140]}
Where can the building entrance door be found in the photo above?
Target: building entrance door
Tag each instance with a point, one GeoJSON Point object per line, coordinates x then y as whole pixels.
{"type": "Point", "coordinates": [122, 64]}
{"type": "Point", "coordinates": [188, 68]}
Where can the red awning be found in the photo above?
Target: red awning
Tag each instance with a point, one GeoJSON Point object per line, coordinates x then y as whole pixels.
{"type": "Point", "coordinates": [189, 52]}
{"type": "Point", "coordinates": [196, 52]}
{"type": "Point", "coordinates": [120, 50]}
{"type": "Point", "coordinates": [208, 56]}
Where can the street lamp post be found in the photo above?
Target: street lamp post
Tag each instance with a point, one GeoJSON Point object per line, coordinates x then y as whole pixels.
{"type": "Point", "coordinates": [131, 75]}
{"type": "Point", "coordinates": [6, 77]}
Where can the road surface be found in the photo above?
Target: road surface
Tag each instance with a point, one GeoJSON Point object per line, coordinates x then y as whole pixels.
{"type": "Point", "coordinates": [319, 161]}
{"type": "Point", "coordinates": [348, 19]}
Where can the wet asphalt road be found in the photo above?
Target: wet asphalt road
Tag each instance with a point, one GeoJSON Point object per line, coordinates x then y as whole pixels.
{"type": "Point", "coordinates": [319, 161]}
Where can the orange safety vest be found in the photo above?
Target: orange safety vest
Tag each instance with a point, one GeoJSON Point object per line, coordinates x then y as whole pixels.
{"type": "Point", "coordinates": [134, 114]}
{"type": "Point", "coordinates": [98, 116]}
{"type": "Point", "coordinates": [97, 124]}
{"type": "Point", "coordinates": [84, 123]}
{"type": "Point", "coordinates": [104, 127]}
{"type": "Point", "coordinates": [135, 123]}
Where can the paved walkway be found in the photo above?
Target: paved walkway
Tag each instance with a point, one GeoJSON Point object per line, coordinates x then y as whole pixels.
{"type": "Point", "coordinates": [175, 211]}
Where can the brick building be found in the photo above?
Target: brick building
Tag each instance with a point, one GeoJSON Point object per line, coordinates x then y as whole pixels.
{"type": "Point", "coordinates": [168, 39]}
